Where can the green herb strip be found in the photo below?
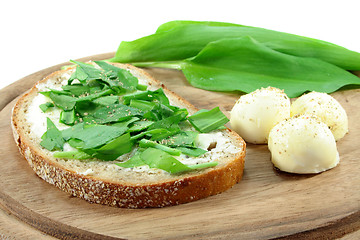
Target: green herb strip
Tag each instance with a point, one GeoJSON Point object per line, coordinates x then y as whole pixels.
{"type": "Point", "coordinates": [77, 89]}
{"type": "Point", "coordinates": [114, 113]}
{"type": "Point", "coordinates": [72, 155]}
{"type": "Point", "coordinates": [68, 117]}
{"type": "Point", "coordinates": [108, 116]}
{"type": "Point", "coordinates": [206, 121]}
{"type": "Point", "coordinates": [156, 158]}
{"type": "Point", "coordinates": [64, 102]}
{"type": "Point", "coordinates": [114, 148]}
{"type": "Point", "coordinates": [52, 138]}
{"type": "Point", "coordinates": [44, 107]}
{"type": "Point", "coordinates": [134, 161]}
{"type": "Point", "coordinates": [192, 151]}
{"type": "Point", "coordinates": [85, 73]}
{"type": "Point", "coordinates": [183, 139]}
{"type": "Point", "coordinates": [94, 136]}
{"type": "Point", "coordinates": [144, 143]}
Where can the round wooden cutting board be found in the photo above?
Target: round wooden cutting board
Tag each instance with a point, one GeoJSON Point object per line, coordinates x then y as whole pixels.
{"type": "Point", "coordinates": [266, 204]}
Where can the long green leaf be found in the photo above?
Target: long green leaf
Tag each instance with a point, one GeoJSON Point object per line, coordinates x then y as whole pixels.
{"type": "Point", "coordinates": [177, 23]}
{"type": "Point", "coordinates": [246, 65]}
{"type": "Point", "coordinates": [181, 40]}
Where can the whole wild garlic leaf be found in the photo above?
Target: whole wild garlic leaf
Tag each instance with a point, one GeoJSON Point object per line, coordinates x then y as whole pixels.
{"type": "Point", "coordinates": [180, 40]}
{"type": "Point", "coordinates": [244, 64]}
{"type": "Point", "coordinates": [294, 63]}
{"type": "Point", "coordinates": [177, 23]}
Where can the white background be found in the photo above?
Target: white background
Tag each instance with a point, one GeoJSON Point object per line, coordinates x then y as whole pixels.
{"type": "Point", "coordinates": [38, 34]}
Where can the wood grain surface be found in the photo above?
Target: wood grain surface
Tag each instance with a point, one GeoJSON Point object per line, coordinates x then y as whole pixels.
{"type": "Point", "coordinates": [266, 204]}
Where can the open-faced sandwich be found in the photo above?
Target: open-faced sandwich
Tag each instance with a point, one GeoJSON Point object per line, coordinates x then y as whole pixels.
{"type": "Point", "coordinates": [111, 134]}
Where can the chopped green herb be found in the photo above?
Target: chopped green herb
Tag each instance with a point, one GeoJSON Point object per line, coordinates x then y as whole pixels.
{"type": "Point", "coordinates": [94, 136]}
{"type": "Point", "coordinates": [109, 114]}
{"type": "Point", "coordinates": [134, 161]}
{"type": "Point", "coordinates": [202, 165]}
{"type": "Point", "coordinates": [142, 105]}
{"type": "Point", "coordinates": [156, 158]}
{"type": "Point", "coordinates": [206, 121]}
{"type": "Point", "coordinates": [165, 133]}
{"type": "Point", "coordinates": [126, 123]}
{"type": "Point", "coordinates": [123, 77]}
{"type": "Point", "coordinates": [44, 107]}
{"type": "Point", "coordinates": [67, 117]}
{"type": "Point", "coordinates": [190, 151]}
{"type": "Point", "coordinates": [76, 154]}
{"type": "Point", "coordinates": [77, 89]}
{"type": "Point", "coordinates": [157, 95]}
{"type": "Point", "coordinates": [64, 102]}
{"type": "Point", "coordinates": [140, 126]}
{"type": "Point", "coordinates": [183, 139]}
{"type": "Point", "coordinates": [84, 72]}
{"type": "Point", "coordinates": [52, 138]}
{"type": "Point", "coordinates": [71, 131]}
{"type": "Point", "coordinates": [169, 121]}
{"type": "Point", "coordinates": [96, 95]}
{"type": "Point", "coordinates": [141, 87]}
{"type": "Point", "coordinates": [76, 143]}
{"type": "Point", "coordinates": [107, 100]}
{"type": "Point", "coordinates": [115, 113]}
{"type": "Point", "coordinates": [147, 143]}
{"type": "Point", "coordinates": [114, 148]}
{"type": "Point", "coordinates": [149, 133]}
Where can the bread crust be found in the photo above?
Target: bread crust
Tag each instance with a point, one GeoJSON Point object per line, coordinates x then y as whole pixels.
{"type": "Point", "coordinates": [181, 189]}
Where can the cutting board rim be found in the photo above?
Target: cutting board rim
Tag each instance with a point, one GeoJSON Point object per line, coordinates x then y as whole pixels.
{"type": "Point", "coordinates": [44, 224]}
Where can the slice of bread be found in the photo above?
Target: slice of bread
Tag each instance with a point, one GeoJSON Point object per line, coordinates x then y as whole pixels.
{"type": "Point", "coordinates": [104, 182]}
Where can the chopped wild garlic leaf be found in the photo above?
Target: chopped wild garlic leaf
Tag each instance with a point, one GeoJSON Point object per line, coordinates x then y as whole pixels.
{"type": "Point", "coordinates": [206, 121]}
{"type": "Point", "coordinates": [52, 138]}
{"type": "Point", "coordinates": [44, 107]}
{"type": "Point", "coordinates": [109, 114]}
